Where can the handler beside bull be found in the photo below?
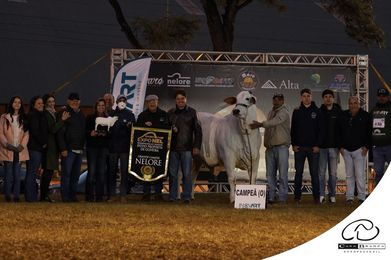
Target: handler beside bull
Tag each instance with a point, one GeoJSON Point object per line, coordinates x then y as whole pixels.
{"type": "Point", "coordinates": [277, 140]}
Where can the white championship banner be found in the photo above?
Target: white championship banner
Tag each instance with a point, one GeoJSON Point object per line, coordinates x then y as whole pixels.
{"type": "Point", "coordinates": [250, 197]}
{"type": "Point", "coordinates": [131, 81]}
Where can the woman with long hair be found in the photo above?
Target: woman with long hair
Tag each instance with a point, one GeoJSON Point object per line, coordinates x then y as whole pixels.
{"type": "Point", "coordinates": [97, 151]}
{"type": "Point", "coordinates": [13, 149]}
{"type": "Point", "coordinates": [38, 131]}
{"type": "Point", "coordinates": [51, 153]}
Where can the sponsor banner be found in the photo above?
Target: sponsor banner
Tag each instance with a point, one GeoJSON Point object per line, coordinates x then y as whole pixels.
{"type": "Point", "coordinates": [131, 81]}
{"type": "Point", "coordinates": [250, 196]}
{"type": "Point", "coordinates": [149, 153]}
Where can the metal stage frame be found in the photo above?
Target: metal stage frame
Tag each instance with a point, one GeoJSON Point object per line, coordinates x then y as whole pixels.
{"type": "Point", "coordinates": [359, 63]}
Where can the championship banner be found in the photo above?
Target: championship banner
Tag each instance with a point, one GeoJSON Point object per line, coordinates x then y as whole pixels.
{"type": "Point", "coordinates": [149, 153]}
{"type": "Point", "coordinates": [131, 81]}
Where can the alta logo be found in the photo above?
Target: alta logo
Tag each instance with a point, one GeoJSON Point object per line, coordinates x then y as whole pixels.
{"type": "Point", "coordinates": [269, 84]}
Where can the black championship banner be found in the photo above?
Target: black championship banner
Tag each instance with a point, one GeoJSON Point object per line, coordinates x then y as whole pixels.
{"type": "Point", "coordinates": [149, 153]}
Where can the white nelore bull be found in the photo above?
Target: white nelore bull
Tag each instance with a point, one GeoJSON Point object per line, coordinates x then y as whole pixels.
{"type": "Point", "coordinates": [105, 121]}
{"type": "Point", "coordinates": [229, 141]}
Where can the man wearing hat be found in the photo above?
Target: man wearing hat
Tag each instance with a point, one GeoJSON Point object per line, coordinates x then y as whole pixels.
{"type": "Point", "coordinates": [328, 155]}
{"type": "Point", "coordinates": [277, 140]}
{"type": "Point", "coordinates": [381, 132]}
{"type": "Point", "coordinates": [119, 145]}
{"type": "Point", "coordinates": [155, 117]}
{"type": "Point", "coordinates": [71, 140]}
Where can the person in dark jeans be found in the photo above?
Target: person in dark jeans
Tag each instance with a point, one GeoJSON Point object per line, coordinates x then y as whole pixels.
{"type": "Point", "coordinates": [381, 132]}
{"type": "Point", "coordinates": [97, 151]}
{"type": "Point", "coordinates": [186, 142]}
{"type": "Point", "coordinates": [154, 117]}
{"type": "Point", "coordinates": [307, 133]}
{"type": "Point", "coordinates": [38, 130]}
{"type": "Point", "coordinates": [51, 153]}
{"type": "Point", "coordinates": [119, 145]}
{"type": "Point", "coordinates": [71, 140]}
{"type": "Point", "coordinates": [13, 146]}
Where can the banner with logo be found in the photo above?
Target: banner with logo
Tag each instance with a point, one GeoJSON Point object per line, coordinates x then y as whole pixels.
{"type": "Point", "coordinates": [131, 81]}
{"type": "Point", "coordinates": [149, 153]}
{"type": "Point", "coordinates": [207, 85]}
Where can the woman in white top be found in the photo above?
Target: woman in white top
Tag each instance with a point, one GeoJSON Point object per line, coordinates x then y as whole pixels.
{"type": "Point", "coordinates": [13, 146]}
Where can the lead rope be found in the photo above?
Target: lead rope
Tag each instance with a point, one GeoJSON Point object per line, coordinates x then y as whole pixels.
{"type": "Point", "coordinates": [251, 156]}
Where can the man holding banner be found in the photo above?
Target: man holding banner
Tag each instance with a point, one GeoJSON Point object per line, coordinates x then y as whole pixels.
{"type": "Point", "coordinates": [154, 117]}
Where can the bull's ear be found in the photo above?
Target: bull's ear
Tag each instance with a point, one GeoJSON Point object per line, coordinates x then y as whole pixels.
{"type": "Point", "coordinates": [230, 100]}
{"type": "Point", "coordinates": [253, 100]}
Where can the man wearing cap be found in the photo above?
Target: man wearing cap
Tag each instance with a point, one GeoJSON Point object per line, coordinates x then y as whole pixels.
{"type": "Point", "coordinates": [154, 117]}
{"type": "Point", "coordinates": [307, 133]}
{"type": "Point", "coordinates": [381, 132]}
{"type": "Point", "coordinates": [328, 155]}
{"type": "Point", "coordinates": [186, 142]}
{"type": "Point", "coordinates": [277, 140]}
{"type": "Point", "coordinates": [71, 140]}
{"type": "Point", "coordinates": [119, 145]}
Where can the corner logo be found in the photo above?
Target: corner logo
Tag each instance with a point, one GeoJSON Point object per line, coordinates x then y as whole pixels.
{"type": "Point", "coordinates": [248, 80]}
{"type": "Point", "coordinates": [362, 230]}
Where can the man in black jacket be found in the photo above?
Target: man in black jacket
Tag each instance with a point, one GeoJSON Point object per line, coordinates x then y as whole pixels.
{"type": "Point", "coordinates": [119, 145]}
{"type": "Point", "coordinates": [307, 133]}
{"type": "Point", "coordinates": [71, 140]}
{"type": "Point", "coordinates": [186, 142]}
{"type": "Point", "coordinates": [381, 132]}
{"type": "Point", "coordinates": [154, 117]}
{"type": "Point", "coordinates": [354, 140]}
{"type": "Point", "coordinates": [328, 155]}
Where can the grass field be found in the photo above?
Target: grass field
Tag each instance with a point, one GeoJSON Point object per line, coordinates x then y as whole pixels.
{"type": "Point", "coordinates": [208, 228]}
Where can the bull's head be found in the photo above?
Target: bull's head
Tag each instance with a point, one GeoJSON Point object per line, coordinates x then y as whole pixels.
{"type": "Point", "coordinates": [243, 101]}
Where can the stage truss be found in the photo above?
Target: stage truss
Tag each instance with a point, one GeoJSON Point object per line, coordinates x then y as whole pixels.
{"type": "Point", "coordinates": [358, 62]}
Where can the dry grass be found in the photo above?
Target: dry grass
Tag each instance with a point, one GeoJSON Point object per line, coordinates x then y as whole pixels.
{"type": "Point", "coordinates": [209, 228]}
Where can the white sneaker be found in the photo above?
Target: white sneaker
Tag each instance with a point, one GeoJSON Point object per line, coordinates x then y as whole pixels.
{"type": "Point", "coordinates": [332, 199]}
{"type": "Point", "coordinates": [321, 199]}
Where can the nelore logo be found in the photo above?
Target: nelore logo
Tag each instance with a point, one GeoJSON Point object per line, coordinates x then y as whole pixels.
{"type": "Point", "coordinates": [177, 80]}
{"type": "Point", "coordinates": [248, 80]}
{"type": "Point", "coordinates": [362, 230]}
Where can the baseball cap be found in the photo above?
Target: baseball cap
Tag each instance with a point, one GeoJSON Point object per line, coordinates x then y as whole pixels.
{"type": "Point", "coordinates": [74, 96]}
{"type": "Point", "coordinates": [151, 97]}
{"type": "Point", "coordinates": [382, 92]}
{"type": "Point", "coordinates": [278, 95]}
{"type": "Point", "coordinates": [121, 97]}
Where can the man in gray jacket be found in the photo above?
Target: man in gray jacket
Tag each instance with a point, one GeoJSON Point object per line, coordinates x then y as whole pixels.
{"type": "Point", "coordinates": [277, 141]}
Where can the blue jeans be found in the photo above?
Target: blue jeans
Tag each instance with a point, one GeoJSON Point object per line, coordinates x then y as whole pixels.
{"type": "Point", "coordinates": [277, 158]}
{"type": "Point", "coordinates": [313, 163]}
{"type": "Point", "coordinates": [112, 178]}
{"type": "Point", "coordinates": [355, 174]}
{"type": "Point", "coordinates": [183, 159]}
{"type": "Point", "coordinates": [328, 160]}
{"type": "Point", "coordinates": [381, 154]}
{"type": "Point", "coordinates": [12, 177]}
{"type": "Point", "coordinates": [70, 174]}
{"type": "Point", "coordinates": [96, 160]}
{"type": "Point", "coordinates": [31, 192]}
